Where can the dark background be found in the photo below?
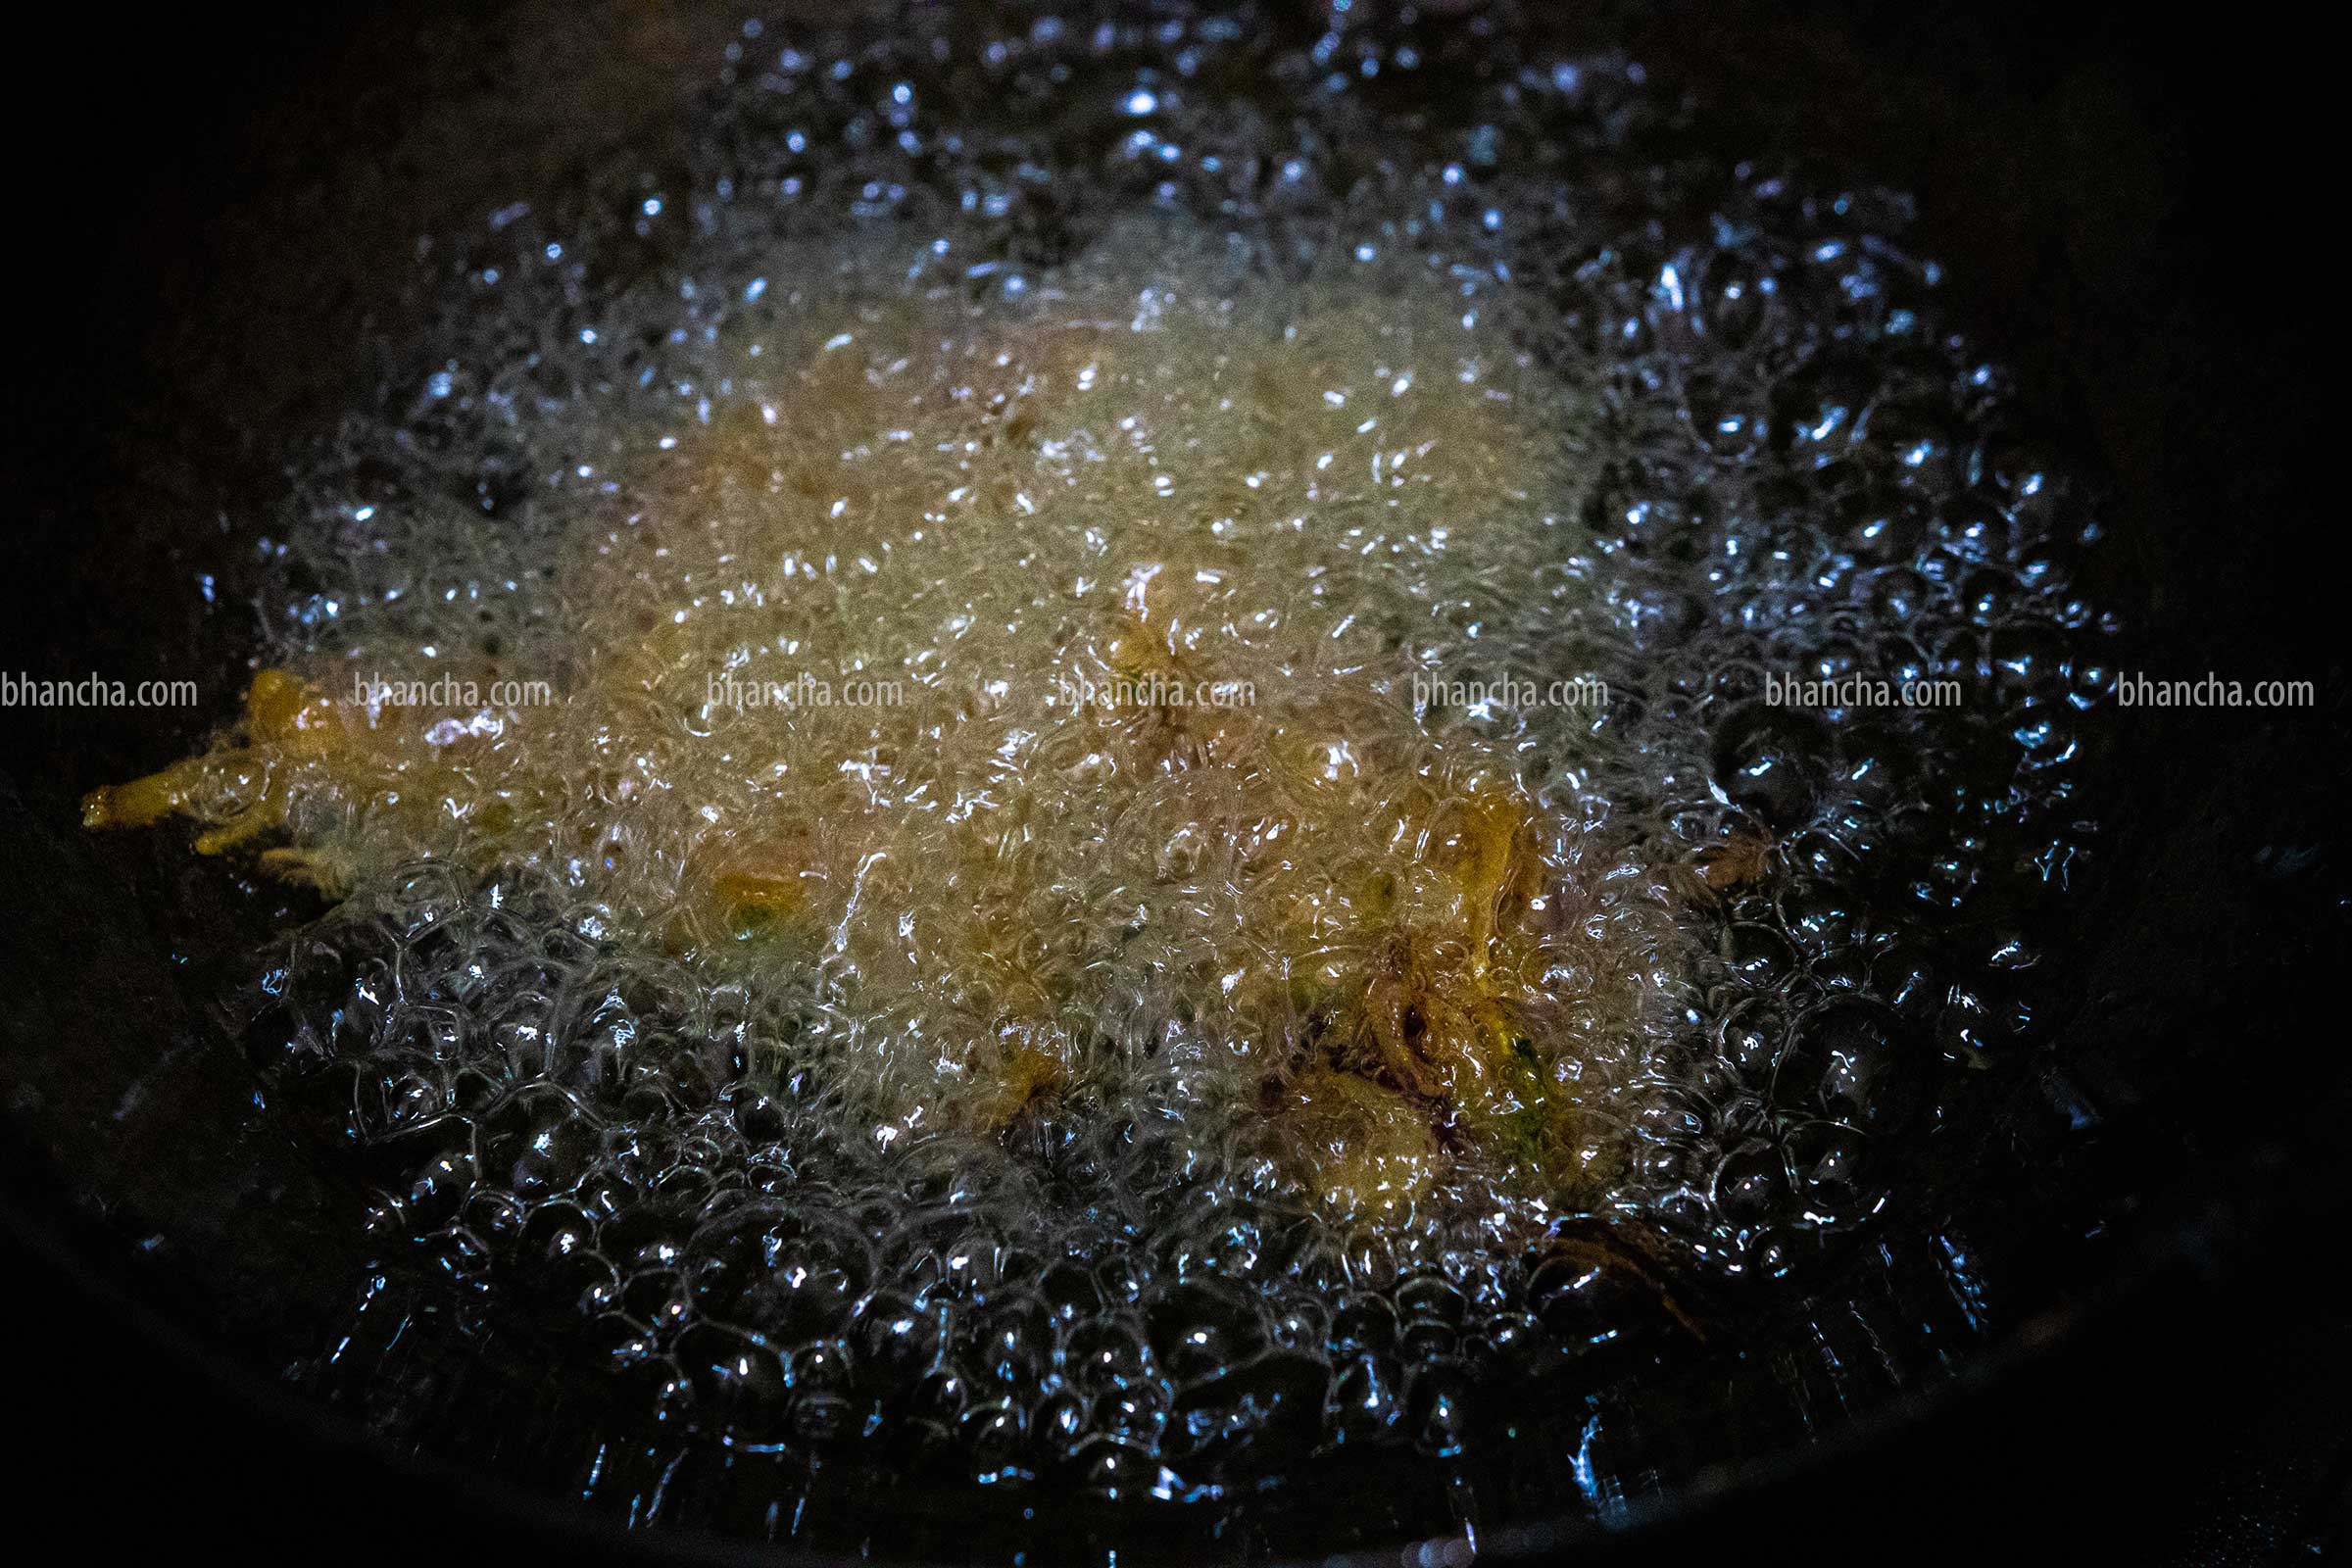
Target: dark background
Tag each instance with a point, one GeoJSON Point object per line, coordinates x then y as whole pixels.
{"type": "Point", "coordinates": [2154, 204]}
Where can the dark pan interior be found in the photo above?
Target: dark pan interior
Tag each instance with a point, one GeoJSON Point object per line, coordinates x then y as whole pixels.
{"type": "Point", "coordinates": [2138, 216]}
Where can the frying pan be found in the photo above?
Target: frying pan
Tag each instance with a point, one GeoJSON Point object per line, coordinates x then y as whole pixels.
{"type": "Point", "coordinates": [226, 210]}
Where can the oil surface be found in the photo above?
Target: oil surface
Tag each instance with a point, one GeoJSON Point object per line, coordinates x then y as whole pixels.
{"type": "Point", "coordinates": [1044, 559]}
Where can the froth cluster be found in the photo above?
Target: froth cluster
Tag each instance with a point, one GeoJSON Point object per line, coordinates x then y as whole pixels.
{"type": "Point", "coordinates": [908, 1072]}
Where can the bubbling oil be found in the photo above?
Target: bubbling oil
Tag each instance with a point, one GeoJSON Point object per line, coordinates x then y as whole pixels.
{"type": "Point", "coordinates": [1116, 711]}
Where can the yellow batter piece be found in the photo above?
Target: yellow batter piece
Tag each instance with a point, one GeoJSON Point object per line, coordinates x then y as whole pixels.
{"type": "Point", "coordinates": [1015, 673]}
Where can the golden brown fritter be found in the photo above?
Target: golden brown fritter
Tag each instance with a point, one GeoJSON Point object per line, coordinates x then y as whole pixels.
{"type": "Point", "coordinates": [1012, 670]}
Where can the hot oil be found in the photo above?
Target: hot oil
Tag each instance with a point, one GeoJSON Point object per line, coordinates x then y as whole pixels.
{"type": "Point", "coordinates": [1156, 822]}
